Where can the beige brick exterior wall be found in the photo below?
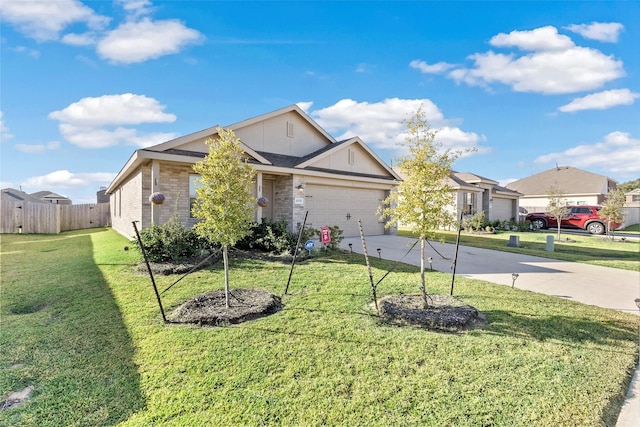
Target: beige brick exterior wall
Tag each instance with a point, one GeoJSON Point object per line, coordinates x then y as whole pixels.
{"type": "Point", "coordinates": [283, 199]}
{"type": "Point", "coordinates": [126, 206]}
{"type": "Point", "coordinates": [174, 184]}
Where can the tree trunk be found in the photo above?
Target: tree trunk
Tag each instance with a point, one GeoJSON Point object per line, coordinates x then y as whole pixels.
{"type": "Point", "coordinates": [225, 260]}
{"type": "Point", "coordinates": [423, 288]}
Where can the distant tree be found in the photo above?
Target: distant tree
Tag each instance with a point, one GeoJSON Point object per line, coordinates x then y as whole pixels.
{"type": "Point", "coordinates": [421, 200]}
{"type": "Point", "coordinates": [612, 207]}
{"type": "Point", "coordinates": [627, 186]}
{"type": "Point", "coordinates": [224, 200]}
{"type": "Point", "coordinates": [557, 207]}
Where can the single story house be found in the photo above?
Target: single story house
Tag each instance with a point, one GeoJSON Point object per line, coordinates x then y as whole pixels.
{"type": "Point", "coordinates": [631, 210]}
{"type": "Point", "coordinates": [37, 197]}
{"type": "Point", "coordinates": [300, 168]}
{"type": "Point", "coordinates": [475, 194]}
{"type": "Point", "coordinates": [579, 187]}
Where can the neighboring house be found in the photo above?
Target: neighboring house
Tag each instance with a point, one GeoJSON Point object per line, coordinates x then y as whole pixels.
{"type": "Point", "coordinates": [102, 196]}
{"type": "Point", "coordinates": [11, 194]}
{"type": "Point", "coordinates": [479, 194]}
{"type": "Point", "coordinates": [475, 194]}
{"type": "Point", "coordinates": [38, 197]}
{"type": "Point", "coordinates": [579, 187]}
{"type": "Point", "coordinates": [53, 198]}
{"type": "Point", "coordinates": [633, 196]}
{"type": "Point", "coordinates": [631, 210]}
{"type": "Point", "coordinates": [300, 168]}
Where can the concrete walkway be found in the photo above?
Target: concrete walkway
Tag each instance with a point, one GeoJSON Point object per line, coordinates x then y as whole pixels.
{"type": "Point", "coordinates": [588, 284]}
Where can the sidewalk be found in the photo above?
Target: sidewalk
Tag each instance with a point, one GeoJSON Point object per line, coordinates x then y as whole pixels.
{"type": "Point", "coordinates": [601, 286]}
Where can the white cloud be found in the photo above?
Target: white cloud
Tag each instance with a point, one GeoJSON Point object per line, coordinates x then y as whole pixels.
{"type": "Point", "coordinates": [99, 122]}
{"type": "Point", "coordinates": [44, 20]}
{"type": "Point", "coordinates": [601, 31]}
{"type": "Point", "coordinates": [85, 39]}
{"type": "Point", "coordinates": [4, 130]}
{"type": "Point", "coordinates": [136, 8]}
{"type": "Point", "coordinates": [305, 106]}
{"type": "Point", "coordinates": [119, 109]}
{"type": "Point", "coordinates": [363, 67]}
{"type": "Point", "coordinates": [140, 41]}
{"type": "Point", "coordinates": [601, 100]}
{"type": "Point", "coordinates": [540, 39]}
{"type": "Point", "coordinates": [553, 64]}
{"type": "Point", "coordinates": [37, 148]}
{"type": "Point", "coordinates": [64, 179]}
{"type": "Point", "coordinates": [615, 153]}
{"type": "Point", "coordinates": [425, 68]}
{"type": "Point", "coordinates": [33, 53]}
{"type": "Point", "coordinates": [381, 125]}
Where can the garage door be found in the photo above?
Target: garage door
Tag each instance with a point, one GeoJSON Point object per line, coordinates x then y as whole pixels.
{"type": "Point", "coordinates": [343, 206]}
{"type": "Point", "coordinates": [502, 209]}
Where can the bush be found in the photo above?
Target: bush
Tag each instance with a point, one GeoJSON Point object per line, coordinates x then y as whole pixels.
{"type": "Point", "coordinates": [336, 237]}
{"type": "Point", "coordinates": [171, 241]}
{"type": "Point", "coordinates": [269, 236]}
{"type": "Point", "coordinates": [474, 223]}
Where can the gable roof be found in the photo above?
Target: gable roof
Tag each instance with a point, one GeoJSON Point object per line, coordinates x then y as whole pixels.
{"type": "Point", "coordinates": [244, 123]}
{"type": "Point", "coordinates": [472, 178]}
{"type": "Point", "coordinates": [569, 179]}
{"type": "Point", "coordinates": [19, 196]}
{"type": "Point", "coordinates": [175, 150]}
{"type": "Point", "coordinates": [45, 195]}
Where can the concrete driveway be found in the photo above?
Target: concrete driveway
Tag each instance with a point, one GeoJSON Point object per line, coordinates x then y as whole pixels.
{"type": "Point", "coordinates": [588, 284]}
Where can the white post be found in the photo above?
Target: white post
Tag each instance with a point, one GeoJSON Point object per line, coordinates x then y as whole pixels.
{"type": "Point", "coordinates": [258, 195]}
{"type": "Point", "coordinates": [155, 186]}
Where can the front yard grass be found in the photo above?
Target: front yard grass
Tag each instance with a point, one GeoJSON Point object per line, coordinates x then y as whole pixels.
{"type": "Point", "coordinates": [595, 250]}
{"type": "Point", "coordinates": [82, 329]}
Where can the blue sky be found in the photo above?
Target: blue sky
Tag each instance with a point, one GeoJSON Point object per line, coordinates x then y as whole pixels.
{"type": "Point", "coordinates": [529, 84]}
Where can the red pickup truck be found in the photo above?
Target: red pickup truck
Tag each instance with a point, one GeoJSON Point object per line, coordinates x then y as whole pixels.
{"type": "Point", "coordinates": [582, 217]}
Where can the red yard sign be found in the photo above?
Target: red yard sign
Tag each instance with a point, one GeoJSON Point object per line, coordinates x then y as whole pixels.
{"type": "Point", "coordinates": [325, 235]}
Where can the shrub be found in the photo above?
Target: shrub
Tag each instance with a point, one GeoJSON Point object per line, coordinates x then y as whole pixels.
{"type": "Point", "coordinates": [336, 237]}
{"type": "Point", "coordinates": [474, 223]}
{"type": "Point", "coordinates": [269, 236]}
{"type": "Point", "coordinates": [171, 241]}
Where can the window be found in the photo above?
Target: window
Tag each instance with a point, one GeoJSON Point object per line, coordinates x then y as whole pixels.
{"type": "Point", "coordinates": [193, 184]}
{"type": "Point", "coordinates": [635, 198]}
{"type": "Point", "coordinates": [469, 203]}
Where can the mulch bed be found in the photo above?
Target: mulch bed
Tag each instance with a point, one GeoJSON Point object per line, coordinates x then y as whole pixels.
{"type": "Point", "coordinates": [211, 309]}
{"type": "Point", "coordinates": [444, 312]}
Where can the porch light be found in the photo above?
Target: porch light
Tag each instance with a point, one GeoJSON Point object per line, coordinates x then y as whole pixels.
{"type": "Point", "coordinates": [300, 188]}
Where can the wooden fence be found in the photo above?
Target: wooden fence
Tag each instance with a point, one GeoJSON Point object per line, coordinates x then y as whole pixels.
{"type": "Point", "coordinates": [25, 217]}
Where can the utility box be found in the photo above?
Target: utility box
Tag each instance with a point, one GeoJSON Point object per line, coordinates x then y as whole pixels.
{"type": "Point", "coordinates": [514, 241]}
{"type": "Point", "coordinates": [550, 243]}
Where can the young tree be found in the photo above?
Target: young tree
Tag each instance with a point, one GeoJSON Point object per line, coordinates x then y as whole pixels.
{"type": "Point", "coordinates": [421, 200]}
{"type": "Point", "coordinates": [224, 198]}
{"type": "Point", "coordinates": [557, 207]}
{"type": "Point", "coordinates": [612, 207]}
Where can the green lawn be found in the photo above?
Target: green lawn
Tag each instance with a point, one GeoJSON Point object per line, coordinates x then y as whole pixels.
{"type": "Point", "coordinates": [595, 250]}
{"type": "Point", "coordinates": [85, 332]}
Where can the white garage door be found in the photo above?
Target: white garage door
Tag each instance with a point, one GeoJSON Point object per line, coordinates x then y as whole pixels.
{"type": "Point", "coordinates": [343, 206]}
{"type": "Point", "coordinates": [502, 209]}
